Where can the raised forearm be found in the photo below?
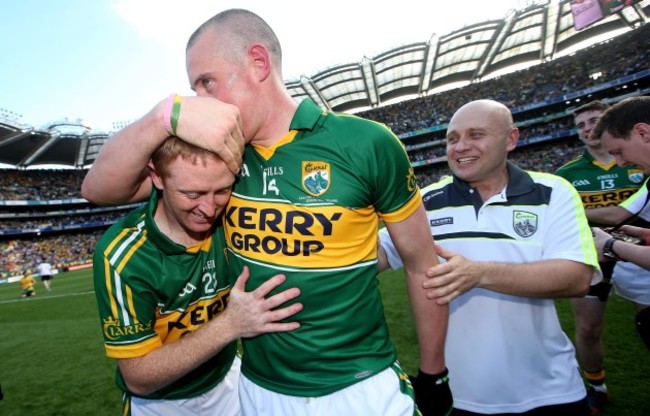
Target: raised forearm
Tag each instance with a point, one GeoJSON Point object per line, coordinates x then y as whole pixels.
{"type": "Point", "coordinates": [120, 174]}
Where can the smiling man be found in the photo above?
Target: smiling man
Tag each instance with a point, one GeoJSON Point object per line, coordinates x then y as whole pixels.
{"type": "Point", "coordinates": [513, 241]}
{"type": "Point", "coordinates": [167, 310]}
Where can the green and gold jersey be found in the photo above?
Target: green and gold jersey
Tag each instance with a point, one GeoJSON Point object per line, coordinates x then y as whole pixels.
{"type": "Point", "coordinates": [152, 291]}
{"type": "Point", "coordinates": [601, 185]}
{"type": "Point", "coordinates": [309, 208]}
{"type": "Point", "coordinates": [27, 283]}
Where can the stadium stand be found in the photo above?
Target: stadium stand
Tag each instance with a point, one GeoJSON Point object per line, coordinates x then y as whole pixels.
{"type": "Point", "coordinates": [43, 216]}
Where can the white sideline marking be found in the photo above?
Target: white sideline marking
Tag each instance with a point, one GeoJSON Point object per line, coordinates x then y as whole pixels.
{"type": "Point", "coordinates": [45, 297]}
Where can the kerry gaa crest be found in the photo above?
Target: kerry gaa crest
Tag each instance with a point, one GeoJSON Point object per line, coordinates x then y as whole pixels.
{"type": "Point", "coordinates": [315, 177]}
{"type": "Point", "coordinates": [635, 175]}
{"type": "Point", "coordinates": [524, 223]}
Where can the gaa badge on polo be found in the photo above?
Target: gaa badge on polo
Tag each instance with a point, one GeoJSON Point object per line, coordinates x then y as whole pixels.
{"type": "Point", "coordinates": [524, 223]}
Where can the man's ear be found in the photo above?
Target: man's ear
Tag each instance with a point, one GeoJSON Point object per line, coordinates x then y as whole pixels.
{"type": "Point", "coordinates": [513, 138]}
{"type": "Point", "coordinates": [643, 130]}
{"type": "Point", "coordinates": [155, 177]}
{"type": "Point", "coordinates": [261, 60]}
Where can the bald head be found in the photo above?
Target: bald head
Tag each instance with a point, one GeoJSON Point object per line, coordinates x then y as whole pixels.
{"type": "Point", "coordinates": [479, 137]}
{"type": "Point", "coordinates": [237, 30]}
{"type": "Point", "coordinates": [492, 112]}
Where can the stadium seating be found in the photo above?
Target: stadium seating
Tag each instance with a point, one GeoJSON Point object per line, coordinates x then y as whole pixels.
{"type": "Point", "coordinates": [42, 215]}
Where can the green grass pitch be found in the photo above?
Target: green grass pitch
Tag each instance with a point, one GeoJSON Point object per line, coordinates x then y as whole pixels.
{"type": "Point", "coordinates": [52, 359]}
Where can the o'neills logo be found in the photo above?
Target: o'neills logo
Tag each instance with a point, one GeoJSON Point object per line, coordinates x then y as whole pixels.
{"type": "Point", "coordinates": [315, 177]}
{"type": "Point", "coordinates": [524, 223]}
{"type": "Point", "coordinates": [441, 221]}
{"type": "Point", "coordinates": [113, 330]}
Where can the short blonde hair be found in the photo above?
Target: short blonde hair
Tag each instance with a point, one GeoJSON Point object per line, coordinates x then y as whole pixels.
{"type": "Point", "coordinates": [174, 147]}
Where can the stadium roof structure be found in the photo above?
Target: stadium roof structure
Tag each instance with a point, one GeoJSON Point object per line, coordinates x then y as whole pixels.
{"type": "Point", "coordinates": [537, 33]}
{"type": "Point", "coordinates": [65, 142]}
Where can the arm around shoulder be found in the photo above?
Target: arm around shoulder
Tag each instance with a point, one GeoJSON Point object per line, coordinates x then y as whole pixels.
{"type": "Point", "coordinates": [120, 173]}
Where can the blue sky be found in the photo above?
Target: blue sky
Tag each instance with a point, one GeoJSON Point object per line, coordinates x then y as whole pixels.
{"type": "Point", "coordinates": [103, 61]}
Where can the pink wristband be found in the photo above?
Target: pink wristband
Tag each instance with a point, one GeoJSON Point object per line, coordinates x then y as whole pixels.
{"type": "Point", "coordinates": [167, 114]}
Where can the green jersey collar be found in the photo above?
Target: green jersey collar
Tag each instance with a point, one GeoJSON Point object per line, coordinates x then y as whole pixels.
{"type": "Point", "coordinates": [164, 243]}
{"type": "Point", "coordinates": [307, 115]}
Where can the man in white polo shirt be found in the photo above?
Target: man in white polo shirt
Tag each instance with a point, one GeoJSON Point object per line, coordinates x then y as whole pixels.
{"type": "Point", "coordinates": [512, 241]}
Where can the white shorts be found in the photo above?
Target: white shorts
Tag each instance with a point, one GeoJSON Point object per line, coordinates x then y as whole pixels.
{"type": "Point", "coordinates": [383, 394]}
{"type": "Point", "coordinates": [222, 400]}
{"type": "Point", "coordinates": [632, 282]}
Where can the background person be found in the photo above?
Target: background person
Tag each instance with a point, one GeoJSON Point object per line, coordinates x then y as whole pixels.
{"type": "Point", "coordinates": [164, 294]}
{"type": "Point", "coordinates": [45, 271]}
{"type": "Point", "coordinates": [27, 284]}
{"type": "Point", "coordinates": [599, 181]}
{"type": "Point", "coordinates": [624, 130]}
{"type": "Point", "coordinates": [634, 210]}
{"type": "Point", "coordinates": [513, 241]}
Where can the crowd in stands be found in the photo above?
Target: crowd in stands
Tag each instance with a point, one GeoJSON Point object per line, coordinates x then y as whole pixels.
{"type": "Point", "coordinates": [426, 154]}
{"type": "Point", "coordinates": [62, 251]}
{"type": "Point", "coordinates": [537, 83]}
{"type": "Point", "coordinates": [37, 184]}
{"type": "Point", "coordinates": [543, 129]}
{"type": "Point", "coordinates": [44, 224]}
{"type": "Point", "coordinates": [544, 158]}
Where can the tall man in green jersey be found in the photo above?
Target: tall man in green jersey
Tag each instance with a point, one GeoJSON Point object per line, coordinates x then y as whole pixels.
{"type": "Point", "coordinates": [600, 182]}
{"type": "Point", "coordinates": [307, 202]}
{"type": "Point", "coordinates": [163, 288]}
